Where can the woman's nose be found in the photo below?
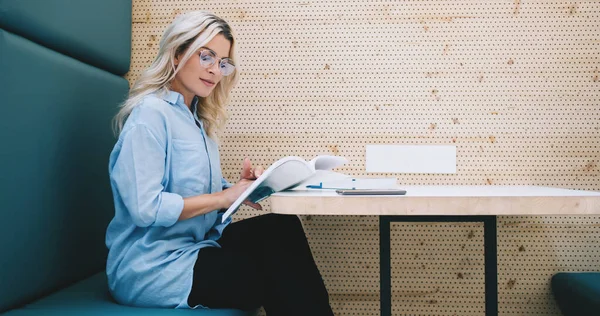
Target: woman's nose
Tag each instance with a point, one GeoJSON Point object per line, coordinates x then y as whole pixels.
{"type": "Point", "coordinates": [214, 69]}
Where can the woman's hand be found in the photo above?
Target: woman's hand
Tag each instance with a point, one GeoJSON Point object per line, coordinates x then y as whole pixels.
{"type": "Point", "coordinates": [251, 174]}
{"type": "Point", "coordinates": [231, 194]}
{"type": "Point", "coordinates": [248, 172]}
{"type": "Point", "coordinates": [247, 177]}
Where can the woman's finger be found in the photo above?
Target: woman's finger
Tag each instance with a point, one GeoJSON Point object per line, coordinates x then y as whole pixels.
{"type": "Point", "coordinates": [258, 171]}
{"type": "Point", "coordinates": [246, 169]}
{"type": "Point", "coordinates": [253, 205]}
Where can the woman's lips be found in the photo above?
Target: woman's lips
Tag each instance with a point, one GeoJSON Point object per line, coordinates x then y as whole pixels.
{"type": "Point", "coordinates": [207, 82]}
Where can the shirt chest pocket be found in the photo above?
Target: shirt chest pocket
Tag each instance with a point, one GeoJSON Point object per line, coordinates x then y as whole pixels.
{"type": "Point", "coordinates": [190, 168]}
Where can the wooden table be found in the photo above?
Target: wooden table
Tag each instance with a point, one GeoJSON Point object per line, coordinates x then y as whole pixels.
{"type": "Point", "coordinates": [445, 204]}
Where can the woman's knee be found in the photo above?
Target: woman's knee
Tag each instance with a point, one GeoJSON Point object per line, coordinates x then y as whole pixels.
{"type": "Point", "coordinates": [288, 229]}
{"type": "Point", "coordinates": [286, 223]}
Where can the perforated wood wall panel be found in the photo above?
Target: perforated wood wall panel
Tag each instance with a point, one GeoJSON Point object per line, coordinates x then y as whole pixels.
{"type": "Point", "coordinates": [513, 84]}
{"type": "Point", "coordinates": [437, 269]}
{"type": "Point", "coordinates": [532, 249]}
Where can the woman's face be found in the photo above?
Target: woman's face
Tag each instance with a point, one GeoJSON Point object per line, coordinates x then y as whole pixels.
{"type": "Point", "coordinates": [193, 79]}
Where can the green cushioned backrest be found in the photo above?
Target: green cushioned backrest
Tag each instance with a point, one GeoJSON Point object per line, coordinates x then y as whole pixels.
{"type": "Point", "coordinates": [97, 32]}
{"type": "Point", "coordinates": [56, 137]}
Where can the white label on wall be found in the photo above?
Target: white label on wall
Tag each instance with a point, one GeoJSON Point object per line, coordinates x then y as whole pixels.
{"type": "Point", "coordinates": [411, 158]}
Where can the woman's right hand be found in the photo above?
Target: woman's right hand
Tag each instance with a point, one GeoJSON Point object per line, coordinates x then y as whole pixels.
{"type": "Point", "coordinates": [233, 193]}
{"type": "Point", "coordinates": [205, 203]}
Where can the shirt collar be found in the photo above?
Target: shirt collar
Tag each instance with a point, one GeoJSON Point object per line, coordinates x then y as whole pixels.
{"type": "Point", "coordinates": [173, 97]}
{"type": "Point", "coordinates": [195, 110]}
{"type": "Point", "coordinates": [177, 98]}
{"type": "Point", "coordinates": [195, 103]}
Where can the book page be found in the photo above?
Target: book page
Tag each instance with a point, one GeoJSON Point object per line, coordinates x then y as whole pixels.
{"type": "Point", "coordinates": [319, 177]}
{"type": "Point", "coordinates": [327, 162]}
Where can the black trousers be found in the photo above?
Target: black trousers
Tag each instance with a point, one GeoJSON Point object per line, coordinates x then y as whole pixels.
{"type": "Point", "coordinates": [263, 261]}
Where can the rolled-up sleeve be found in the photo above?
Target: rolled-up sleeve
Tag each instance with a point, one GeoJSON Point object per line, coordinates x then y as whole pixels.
{"type": "Point", "coordinates": [138, 174]}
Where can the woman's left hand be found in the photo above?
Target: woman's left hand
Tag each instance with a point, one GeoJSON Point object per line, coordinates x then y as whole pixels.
{"type": "Point", "coordinates": [255, 206]}
{"type": "Point", "coordinates": [251, 174]}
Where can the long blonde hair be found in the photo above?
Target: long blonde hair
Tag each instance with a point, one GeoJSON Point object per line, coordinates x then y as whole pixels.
{"type": "Point", "coordinates": [185, 35]}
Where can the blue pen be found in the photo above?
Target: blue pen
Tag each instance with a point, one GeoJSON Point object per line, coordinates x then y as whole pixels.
{"type": "Point", "coordinates": [320, 186]}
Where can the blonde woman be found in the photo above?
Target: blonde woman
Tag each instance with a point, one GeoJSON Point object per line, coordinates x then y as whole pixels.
{"type": "Point", "coordinates": [167, 246]}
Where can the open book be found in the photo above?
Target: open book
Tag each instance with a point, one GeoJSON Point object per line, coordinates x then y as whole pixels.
{"type": "Point", "coordinates": [286, 173]}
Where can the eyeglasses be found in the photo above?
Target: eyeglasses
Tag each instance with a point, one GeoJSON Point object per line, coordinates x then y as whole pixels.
{"type": "Point", "coordinates": [208, 59]}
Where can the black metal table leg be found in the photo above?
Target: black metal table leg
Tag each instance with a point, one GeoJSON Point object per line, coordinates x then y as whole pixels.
{"type": "Point", "coordinates": [385, 266]}
{"type": "Point", "coordinates": [490, 257]}
{"type": "Point", "coordinates": [491, 265]}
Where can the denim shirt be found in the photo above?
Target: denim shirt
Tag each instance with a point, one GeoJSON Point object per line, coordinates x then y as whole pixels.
{"type": "Point", "coordinates": [163, 155]}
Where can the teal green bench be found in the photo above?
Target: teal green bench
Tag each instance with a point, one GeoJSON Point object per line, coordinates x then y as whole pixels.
{"type": "Point", "coordinates": [90, 297]}
{"type": "Point", "coordinates": [61, 78]}
{"type": "Point", "coordinates": [577, 293]}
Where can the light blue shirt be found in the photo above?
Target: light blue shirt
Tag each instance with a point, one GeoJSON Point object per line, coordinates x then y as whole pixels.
{"type": "Point", "coordinates": [161, 157]}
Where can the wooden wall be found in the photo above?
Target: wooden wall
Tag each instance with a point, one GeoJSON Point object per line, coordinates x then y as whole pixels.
{"type": "Point", "coordinates": [513, 84]}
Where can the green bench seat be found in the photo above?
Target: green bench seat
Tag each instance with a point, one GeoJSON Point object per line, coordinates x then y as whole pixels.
{"type": "Point", "coordinates": [61, 67]}
{"type": "Point", "coordinates": [577, 294]}
{"type": "Point", "coordinates": [90, 297]}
